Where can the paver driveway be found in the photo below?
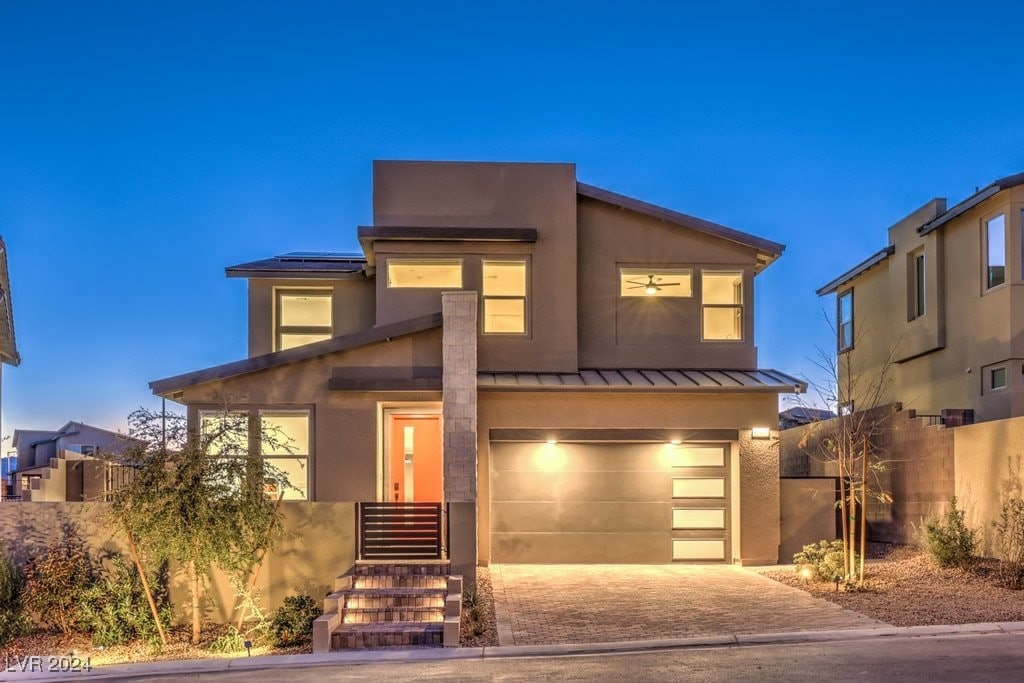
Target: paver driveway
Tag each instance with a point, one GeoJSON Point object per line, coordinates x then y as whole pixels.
{"type": "Point", "coordinates": [549, 604]}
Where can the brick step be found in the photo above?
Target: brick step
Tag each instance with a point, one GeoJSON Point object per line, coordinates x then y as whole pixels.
{"type": "Point", "coordinates": [368, 615]}
{"type": "Point", "coordinates": [395, 597]}
{"type": "Point", "coordinates": [400, 634]}
{"type": "Point", "coordinates": [407, 581]}
{"type": "Point", "coordinates": [402, 568]}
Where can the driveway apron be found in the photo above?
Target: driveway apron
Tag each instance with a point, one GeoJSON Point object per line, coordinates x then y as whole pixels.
{"type": "Point", "coordinates": [557, 604]}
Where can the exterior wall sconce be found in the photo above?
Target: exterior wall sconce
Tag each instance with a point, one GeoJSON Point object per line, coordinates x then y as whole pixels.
{"type": "Point", "coordinates": [552, 442]}
{"type": "Point", "coordinates": [676, 442]}
{"type": "Point", "coordinates": [761, 433]}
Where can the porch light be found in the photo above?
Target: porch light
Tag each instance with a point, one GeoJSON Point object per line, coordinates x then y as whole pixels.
{"type": "Point", "coordinates": [761, 433]}
{"type": "Point", "coordinates": [552, 442]}
{"type": "Point", "coordinates": [676, 442]}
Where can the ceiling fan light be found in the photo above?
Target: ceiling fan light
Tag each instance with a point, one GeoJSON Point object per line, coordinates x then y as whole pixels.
{"type": "Point", "coordinates": [650, 290]}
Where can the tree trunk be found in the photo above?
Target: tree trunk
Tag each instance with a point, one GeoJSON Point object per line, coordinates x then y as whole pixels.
{"type": "Point", "coordinates": [197, 624]}
{"type": "Point", "coordinates": [255, 573]}
{"type": "Point", "coordinates": [863, 510]}
{"type": "Point", "coordinates": [842, 512]}
{"type": "Point", "coordinates": [145, 587]}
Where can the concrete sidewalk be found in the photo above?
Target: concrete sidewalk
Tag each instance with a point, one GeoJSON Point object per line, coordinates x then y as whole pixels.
{"type": "Point", "coordinates": [412, 655]}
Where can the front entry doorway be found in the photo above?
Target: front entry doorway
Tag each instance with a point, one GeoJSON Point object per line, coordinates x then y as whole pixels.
{"type": "Point", "coordinates": [413, 469]}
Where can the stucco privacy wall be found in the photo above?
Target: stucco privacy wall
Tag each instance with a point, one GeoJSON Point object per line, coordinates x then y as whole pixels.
{"type": "Point", "coordinates": [989, 459]}
{"type": "Point", "coordinates": [755, 537]}
{"type": "Point", "coordinates": [807, 513]}
{"type": "Point", "coordinates": [319, 545]}
{"type": "Point", "coordinates": [918, 472]}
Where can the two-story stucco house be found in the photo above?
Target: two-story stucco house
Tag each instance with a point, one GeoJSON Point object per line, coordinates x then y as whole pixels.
{"type": "Point", "coordinates": [570, 371]}
{"type": "Point", "coordinates": [941, 296]}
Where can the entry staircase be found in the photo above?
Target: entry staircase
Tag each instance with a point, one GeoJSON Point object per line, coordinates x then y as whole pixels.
{"type": "Point", "coordinates": [398, 603]}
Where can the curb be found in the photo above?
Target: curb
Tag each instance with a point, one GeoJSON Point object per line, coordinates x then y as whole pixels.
{"type": "Point", "coordinates": [397, 656]}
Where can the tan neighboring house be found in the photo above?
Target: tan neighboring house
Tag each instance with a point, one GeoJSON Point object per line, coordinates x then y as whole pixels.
{"type": "Point", "coordinates": [947, 293]}
{"type": "Point", "coordinates": [569, 374]}
{"type": "Point", "coordinates": [71, 464]}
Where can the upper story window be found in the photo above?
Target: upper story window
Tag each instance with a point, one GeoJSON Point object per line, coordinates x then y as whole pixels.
{"type": "Point", "coordinates": [844, 328]}
{"type": "Point", "coordinates": [655, 282]}
{"type": "Point", "coordinates": [504, 297]}
{"type": "Point", "coordinates": [303, 316]}
{"type": "Point", "coordinates": [405, 273]}
{"type": "Point", "coordinates": [722, 303]}
{"type": "Point", "coordinates": [917, 292]}
{"type": "Point", "coordinates": [995, 251]}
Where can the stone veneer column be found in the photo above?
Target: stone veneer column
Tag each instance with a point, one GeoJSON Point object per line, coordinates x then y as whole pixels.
{"type": "Point", "coordinates": [459, 402]}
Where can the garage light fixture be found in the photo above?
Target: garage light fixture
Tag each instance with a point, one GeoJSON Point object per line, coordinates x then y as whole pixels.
{"type": "Point", "coordinates": [676, 442]}
{"type": "Point", "coordinates": [552, 441]}
{"type": "Point", "coordinates": [761, 433]}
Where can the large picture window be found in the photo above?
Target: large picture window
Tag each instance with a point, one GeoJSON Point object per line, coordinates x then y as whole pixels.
{"type": "Point", "coordinates": [284, 437]}
{"type": "Point", "coordinates": [504, 297]}
{"type": "Point", "coordinates": [655, 282]}
{"type": "Point", "coordinates": [722, 299]}
{"type": "Point", "coordinates": [844, 326]}
{"type": "Point", "coordinates": [405, 273]}
{"type": "Point", "coordinates": [995, 251]}
{"type": "Point", "coordinates": [303, 316]}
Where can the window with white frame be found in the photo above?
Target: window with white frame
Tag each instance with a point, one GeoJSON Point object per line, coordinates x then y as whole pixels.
{"type": "Point", "coordinates": [844, 320]}
{"type": "Point", "coordinates": [284, 444]}
{"type": "Point", "coordinates": [303, 316]}
{"type": "Point", "coordinates": [504, 297]}
{"type": "Point", "coordinates": [722, 304]}
{"type": "Point", "coordinates": [995, 251]}
{"type": "Point", "coordinates": [418, 273]}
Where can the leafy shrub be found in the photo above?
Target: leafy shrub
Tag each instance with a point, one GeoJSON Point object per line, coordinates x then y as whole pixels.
{"type": "Point", "coordinates": [56, 582]}
{"type": "Point", "coordinates": [232, 641]}
{"type": "Point", "coordinates": [1010, 538]}
{"type": "Point", "coordinates": [949, 540]}
{"type": "Point", "coordinates": [115, 609]}
{"type": "Point", "coordinates": [824, 559]}
{"type": "Point", "coordinates": [13, 622]}
{"type": "Point", "coordinates": [293, 622]}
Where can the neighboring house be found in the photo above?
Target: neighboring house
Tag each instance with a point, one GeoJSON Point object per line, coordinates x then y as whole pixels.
{"type": "Point", "coordinates": [572, 372]}
{"type": "Point", "coordinates": [800, 415]}
{"type": "Point", "coordinates": [944, 294]}
{"type": "Point", "coordinates": [65, 464]}
{"type": "Point", "coordinates": [8, 345]}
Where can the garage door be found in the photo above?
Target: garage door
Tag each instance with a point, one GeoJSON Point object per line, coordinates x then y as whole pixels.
{"type": "Point", "coordinates": [609, 502]}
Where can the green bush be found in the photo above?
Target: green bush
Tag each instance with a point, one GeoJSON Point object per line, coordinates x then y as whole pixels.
{"type": "Point", "coordinates": [57, 581]}
{"type": "Point", "coordinates": [1010, 538]}
{"type": "Point", "coordinates": [232, 641]}
{"type": "Point", "coordinates": [13, 621]}
{"type": "Point", "coordinates": [824, 559]}
{"type": "Point", "coordinates": [949, 540]}
{"type": "Point", "coordinates": [293, 622]}
{"type": "Point", "coordinates": [115, 609]}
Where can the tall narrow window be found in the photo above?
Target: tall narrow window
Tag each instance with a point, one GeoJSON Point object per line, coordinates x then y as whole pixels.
{"type": "Point", "coordinates": [919, 285]}
{"type": "Point", "coordinates": [504, 297]}
{"type": "Point", "coordinates": [303, 317]}
{"type": "Point", "coordinates": [285, 446]}
{"type": "Point", "coordinates": [722, 293]}
{"type": "Point", "coordinates": [995, 251]}
{"type": "Point", "coordinates": [844, 329]}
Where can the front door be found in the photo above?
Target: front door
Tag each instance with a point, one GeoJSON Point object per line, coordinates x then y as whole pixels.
{"type": "Point", "coordinates": [414, 461]}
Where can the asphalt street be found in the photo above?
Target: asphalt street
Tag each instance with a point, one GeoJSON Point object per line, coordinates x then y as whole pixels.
{"type": "Point", "coordinates": [992, 657]}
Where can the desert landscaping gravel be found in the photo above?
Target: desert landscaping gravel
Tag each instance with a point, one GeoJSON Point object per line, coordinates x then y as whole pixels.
{"type": "Point", "coordinates": [904, 587]}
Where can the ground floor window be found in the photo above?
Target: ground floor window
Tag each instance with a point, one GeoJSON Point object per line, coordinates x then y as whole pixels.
{"type": "Point", "coordinates": [282, 438]}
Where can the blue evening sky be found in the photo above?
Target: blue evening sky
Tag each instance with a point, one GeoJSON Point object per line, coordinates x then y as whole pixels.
{"type": "Point", "coordinates": [145, 146]}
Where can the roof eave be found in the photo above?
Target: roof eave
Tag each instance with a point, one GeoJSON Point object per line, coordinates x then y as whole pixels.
{"type": "Point", "coordinates": [862, 267]}
{"type": "Point", "coordinates": [768, 251]}
{"type": "Point", "coordinates": [972, 201]}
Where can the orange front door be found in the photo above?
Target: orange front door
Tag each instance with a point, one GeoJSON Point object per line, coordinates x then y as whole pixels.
{"type": "Point", "coordinates": [415, 460]}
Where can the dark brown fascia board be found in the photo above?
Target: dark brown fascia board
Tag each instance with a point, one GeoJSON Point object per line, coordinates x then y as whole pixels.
{"type": "Point", "coordinates": [633, 435]}
{"type": "Point", "coordinates": [162, 387]}
{"type": "Point", "coordinates": [972, 201]}
{"type": "Point", "coordinates": [798, 388]}
{"type": "Point", "coordinates": [863, 266]}
{"type": "Point", "coordinates": [772, 249]}
{"type": "Point", "coordinates": [368, 234]}
{"type": "Point", "coordinates": [373, 384]}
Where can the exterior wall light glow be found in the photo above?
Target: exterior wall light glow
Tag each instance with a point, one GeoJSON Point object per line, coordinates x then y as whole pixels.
{"type": "Point", "coordinates": [552, 441]}
{"type": "Point", "coordinates": [761, 433]}
{"type": "Point", "coordinates": [676, 442]}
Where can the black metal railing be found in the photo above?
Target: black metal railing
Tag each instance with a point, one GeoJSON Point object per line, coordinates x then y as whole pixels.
{"type": "Point", "coordinates": [400, 531]}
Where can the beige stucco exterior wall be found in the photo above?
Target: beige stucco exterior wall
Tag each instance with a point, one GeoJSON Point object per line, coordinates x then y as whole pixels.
{"type": "Point", "coordinates": [489, 195]}
{"type": "Point", "coordinates": [808, 513]}
{"type": "Point", "coordinates": [756, 524]}
{"type": "Point", "coordinates": [989, 461]}
{"type": "Point", "coordinates": [946, 354]}
{"type": "Point", "coordinates": [651, 332]}
{"type": "Point", "coordinates": [318, 546]}
{"type": "Point", "coordinates": [352, 306]}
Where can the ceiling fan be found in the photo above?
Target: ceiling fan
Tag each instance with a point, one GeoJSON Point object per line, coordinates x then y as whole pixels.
{"type": "Point", "coordinates": [652, 286]}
